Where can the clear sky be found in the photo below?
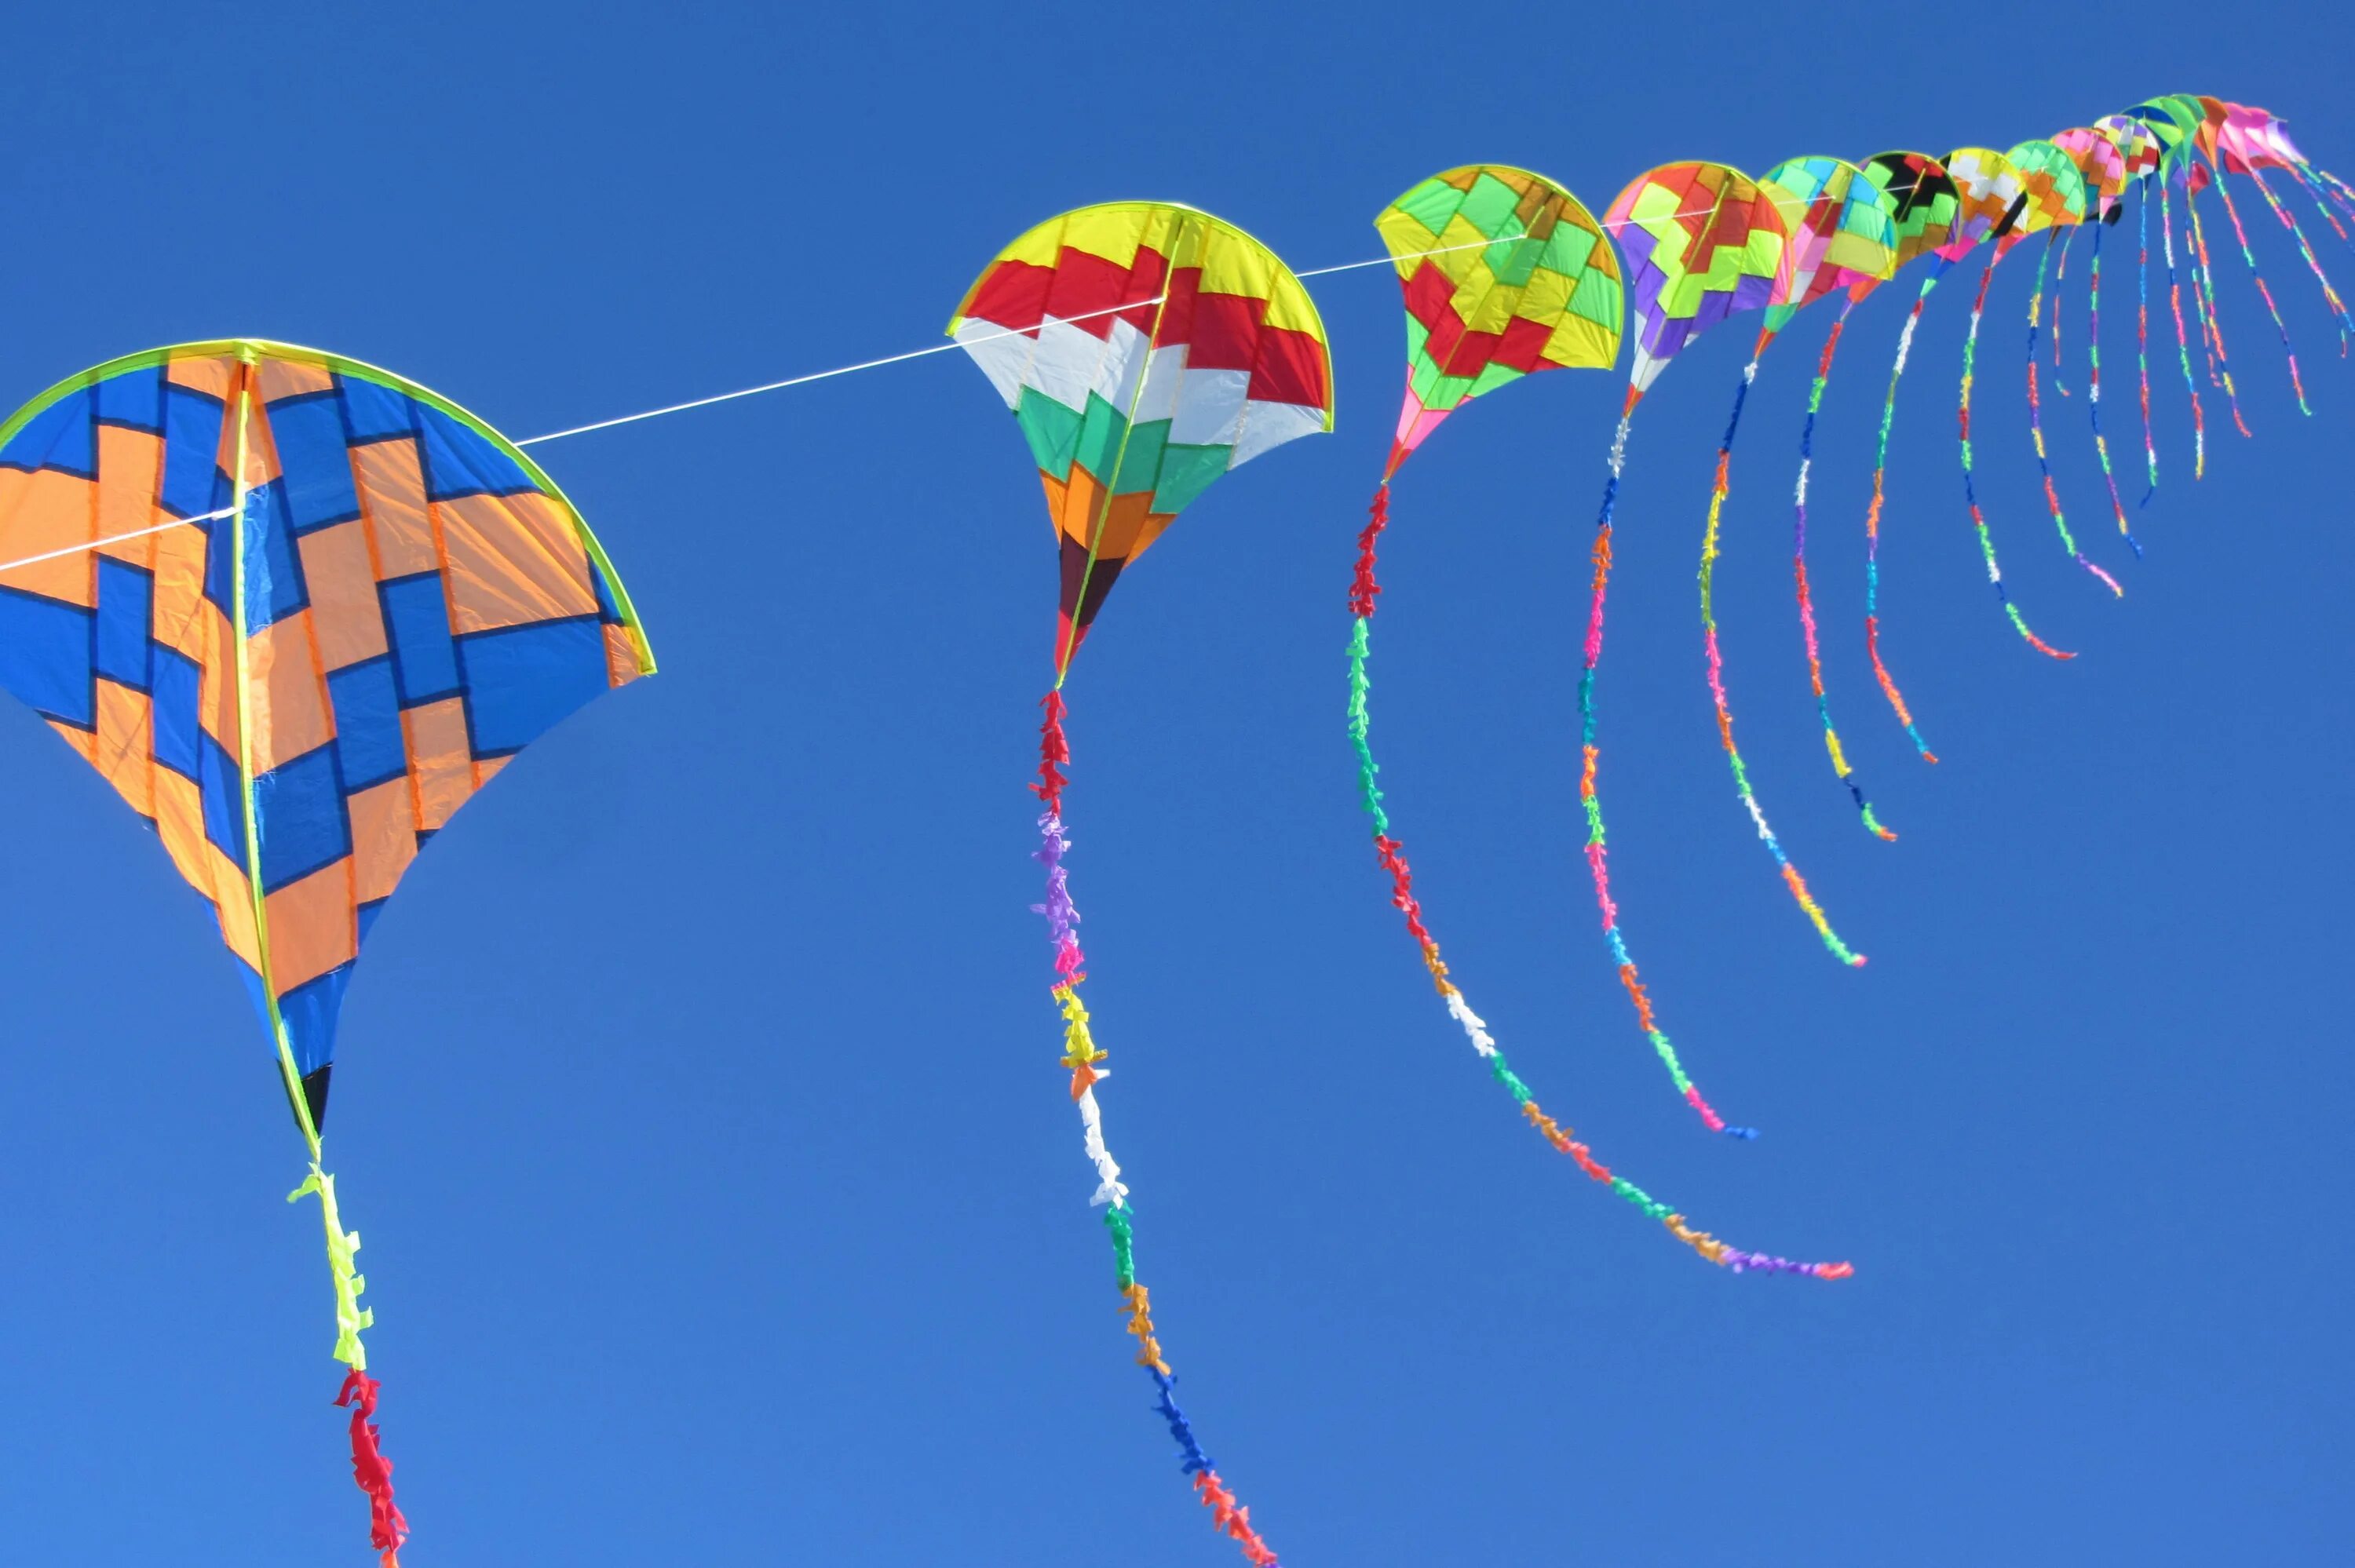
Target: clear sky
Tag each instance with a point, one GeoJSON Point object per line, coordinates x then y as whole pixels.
{"type": "Point", "coordinates": [697, 1097]}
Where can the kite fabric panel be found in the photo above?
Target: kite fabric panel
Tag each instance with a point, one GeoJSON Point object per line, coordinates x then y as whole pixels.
{"type": "Point", "coordinates": [1702, 242]}
{"type": "Point", "coordinates": [1146, 348]}
{"type": "Point", "coordinates": [1505, 274]}
{"type": "Point", "coordinates": [369, 603]}
{"type": "Point", "coordinates": [1842, 227]}
{"type": "Point", "coordinates": [1925, 200]}
{"type": "Point", "coordinates": [1989, 199]}
{"type": "Point", "coordinates": [2102, 165]}
{"type": "Point", "coordinates": [2049, 178]}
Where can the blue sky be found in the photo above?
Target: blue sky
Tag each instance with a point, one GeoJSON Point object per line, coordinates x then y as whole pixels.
{"type": "Point", "coordinates": [696, 1098]}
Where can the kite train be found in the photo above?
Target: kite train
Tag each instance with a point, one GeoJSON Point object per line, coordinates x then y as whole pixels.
{"type": "Point", "coordinates": [296, 611]}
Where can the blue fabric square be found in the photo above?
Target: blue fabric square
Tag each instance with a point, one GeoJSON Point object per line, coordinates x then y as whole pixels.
{"type": "Point", "coordinates": [134, 399]}
{"type": "Point", "coordinates": [314, 461]}
{"type": "Point", "coordinates": [273, 572]}
{"type": "Point", "coordinates": [424, 658]}
{"type": "Point", "coordinates": [178, 687]}
{"type": "Point", "coordinates": [309, 1012]}
{"type": "Point", "coordinates": [367, 723]}
{"type": "Point", "coordinates": [126, 606]}
{"type": "Point", "coordinates": [61, 436]}
{"type": "Point", "coordinates": [44, 656]}
{"type": "Point", "coordinates": [192, 483]}
{"type": "Point", "coordinates": [299, 805]}
{"type": "Point", "coordinates": [519, 682]}
{"type": "Point", "coordinates": [459, 461]}
{"type": "Point", "coordinates": [224, 798]}
{"type": "Point", "coordinates": [376, 413]}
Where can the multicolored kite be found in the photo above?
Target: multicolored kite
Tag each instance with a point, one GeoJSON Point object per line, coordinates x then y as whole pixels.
{"type": "Point", "coordinates": [296, 611]}
{"type": "Point", "coordinates": [1146, 349]}
{"type": "Point", "coordinates": [1504, 273]}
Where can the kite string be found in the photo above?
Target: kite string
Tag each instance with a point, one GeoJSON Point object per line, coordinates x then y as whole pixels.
{"type": "Point", "coordinates": [1847, 775]}
{"type": "Point", "coordinates": [1873, 522]}
{"type": "Point", "coordinates": [1970, 490]}
{"type": "Point", "coordinates": [1716, 664]}
{"type": "Point", "coordinates": [1080, 1055]}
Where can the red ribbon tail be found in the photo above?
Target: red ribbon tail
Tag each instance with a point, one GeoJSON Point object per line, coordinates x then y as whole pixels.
{"type": "Point", "coordinates": [372, 1471]}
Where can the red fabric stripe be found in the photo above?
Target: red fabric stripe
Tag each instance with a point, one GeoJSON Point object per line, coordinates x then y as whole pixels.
{"type": "Point", "coordinates": [1290, 368]}
{"type": "Point", "coordinates": [1012, 294]}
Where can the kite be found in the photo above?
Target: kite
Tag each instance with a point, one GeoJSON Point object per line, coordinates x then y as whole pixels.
{"type": "Point", "coordinates": [2231, 149]}
{"type": "Point", "coordinates": [296, 611]}
{"type": "Point", "coordinates": [2051, 193]}
{"type": "Point", "coordinates": [2208, 116]}
{"type": "Point", "coordinates": [1146, 349]}
{"type": "Point", "coordinates": [1505, 274]}
{"type": "Point", "coordinates": [1843, 228]}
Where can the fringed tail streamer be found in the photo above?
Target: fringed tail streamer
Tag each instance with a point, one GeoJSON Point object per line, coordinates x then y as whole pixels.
{"type": "Point", "coordinates": [2036, 419]}
{"type": "Point", "coordinates": [1970, 489]}
{"type": "Point", "coordinates": [1873, 524]}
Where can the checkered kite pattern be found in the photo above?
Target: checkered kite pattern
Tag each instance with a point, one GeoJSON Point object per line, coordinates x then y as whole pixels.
{"type": "Point", "coordinates": [2101, 163]}
{"type": "Point", "coordinates": [1146, 348]}
{"type": "Point", "coordinates": [378, 601]}
{"type": "Point", "coordinates": [2056, 192]}
{"type": "Point", "coordinates": [2136, 144]}
{"type": "Point", "coordinates": [1842, 227]}
{"type": "Point", "coordinates": [1544, 295]}
{"type": "Point", "coordinates": [1925, 201]}
{"type": "Point", "coordinates": [1989, 199]}
{"type": "Point", "coordinates": [1701, 241]}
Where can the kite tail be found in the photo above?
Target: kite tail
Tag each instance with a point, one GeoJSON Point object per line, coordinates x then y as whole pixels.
{"type": "Point", "coordinates": [2182, 338]}
{"type": "Point", "coordinates": [373, 1472]}
{"type": "Point", "coordinates": [1847, 775]}
{"type": "Point", "coordinates": [370, 1469]}
{"type": "Point", "coordinates": [1362, 592]}
{"type": "Point", "coordinates": [1970, 490]}
{"type": "Point", "coordinates": [2309, 180]}
{"type": "Point", "coordinates": [2094, 399]}
{"type": "Point", "coordinates": [2233, 211]}
{"type": "Point", "coordinates": [2339, 189]}
{"type": "Point", "coordinates": [2060, 277]}
{"type": "Point", "coordinates": [1872, 528]}
{"type": "Point", "coordinates": [2220, 368]}
{"type": "Point", "coordinates": [2142, 336]}
{"type": "Point", "coordinates": [1709, 554]}
{"type": "Point", "coordinates": [1081, 1057]}
{"type": "Point", "coordinates": [2036, 424]}
{"type": "Point", "coordinates": [2313, 263]}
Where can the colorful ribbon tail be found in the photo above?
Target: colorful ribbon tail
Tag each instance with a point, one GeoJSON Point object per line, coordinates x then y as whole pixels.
{"type": "Point", "coordinates": [372, 1471]}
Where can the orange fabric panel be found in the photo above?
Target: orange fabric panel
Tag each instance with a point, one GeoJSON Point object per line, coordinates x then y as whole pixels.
{"type": "Point", "coordinates": [217, 683]}
{"type": "Point", "coordinates": [43, 512]}
{"type": "Point", "coordinates": [284, 378]}
{"type": "Point", "coordinates": [181, 613]}
{"type": "Point", "coordinates": [392, 502]}
{"type": "Point", "coordinates": [513, 560]}
{"type": "Point", "coordinates": [621, 664]}
{"type": "Point", "coordinates": [1077, 503]}
{"type": "Point", "coordinates": [384, 837]}
{"type": "Point", "coordinates": [260, 447]}
{"type": "Point", "coordinates": [286, 692]}
{"type": "Point", "coordinates": [211, 373]}
{"type": "Point", "coordinates": [233, 902]}
{"type": "Point", "coordinates": [312, 926]}
{"type": "Point", "coordinates": [84, 742]}
{"type": "Point", "coordinates": [126, 745]}
{"type": "Point", "coordinates": [440, 763]}
{"type": "Point", "coordinates": [130, 476]}
{"type": "Point", "coordinates": [180, 824]}
{"type": "Point", "coordinates": [345, 614]}
{"type": "Point", "coordinates": [486, 769]}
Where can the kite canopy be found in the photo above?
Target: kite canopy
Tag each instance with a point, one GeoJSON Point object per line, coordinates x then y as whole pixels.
{"type": "Point", "coordinates": [417, 603]}
{"type": "Point", "coordinates": [2136, 144]}
{"type": "Point", "coordinates": [2253, 139]}
{"type": "Point", "coordinates": [1925, 200]}
{"type": "Point", "coordinates": [1146, 348]}
{"type": "Point", "coordinates": [2055, 190]}
{"type": "Point", "coordinates": [2101, 164]}
{"type": "Point", "coordinates": [1842, 230]}
{"type": "Point", "coordinates": [1702, 241]}
{"type": "Point", "coordinates": [1544, 295]}
{"type": "Point", "coordinates": [2176, 123]}
{"type": "Point", "coordinates": [1989, 198]}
